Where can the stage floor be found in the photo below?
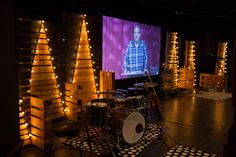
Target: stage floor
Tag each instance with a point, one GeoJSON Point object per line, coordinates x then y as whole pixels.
{"type": "Point", "coordinates": [195, 124]}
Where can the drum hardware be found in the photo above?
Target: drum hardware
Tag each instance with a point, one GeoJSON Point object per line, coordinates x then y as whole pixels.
{"type": "Point", "coordinates": [86, 127]}
{"type": "Point", "coordinates": [155, 101]}
{"type": "Point", "coordinates": [145, 84]}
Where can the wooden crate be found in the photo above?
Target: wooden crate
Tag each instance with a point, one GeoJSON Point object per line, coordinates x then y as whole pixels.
{"type": "Point", "coordinates": [107, 83]}
{"type": "Point", "coordinates": [212, 81]}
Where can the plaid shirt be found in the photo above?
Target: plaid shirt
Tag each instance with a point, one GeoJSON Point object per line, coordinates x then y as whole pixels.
{"type": "Point", "coordinates": [135, 58]}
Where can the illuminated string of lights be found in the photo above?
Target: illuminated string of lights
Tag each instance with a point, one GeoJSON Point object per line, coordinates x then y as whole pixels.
{"type": "Point", "coordinates": [43, 70]}
{"type": "Point", "coordinates": [85, 63]}
{"type": "Point", "coordinates": [191, 62]}
{"type": "Point", "coordinates": [221, 65]}
{"type": "Point", "coordinates": [171, 72]}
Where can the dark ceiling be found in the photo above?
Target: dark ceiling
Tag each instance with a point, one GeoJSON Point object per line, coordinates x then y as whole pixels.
{"type": "Point", "coordinates": [176, 13]}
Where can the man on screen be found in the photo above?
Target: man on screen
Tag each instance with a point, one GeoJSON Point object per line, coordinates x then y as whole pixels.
{"type": "Point", "coordinates": [135, 60]}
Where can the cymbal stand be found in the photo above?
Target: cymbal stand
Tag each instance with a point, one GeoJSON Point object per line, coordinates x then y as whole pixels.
{"type": "Point", "coordinates": [87, 130]}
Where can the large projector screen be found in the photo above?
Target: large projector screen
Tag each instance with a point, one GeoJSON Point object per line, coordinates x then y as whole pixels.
{"type": "Point", "coordinates": [130, 48]}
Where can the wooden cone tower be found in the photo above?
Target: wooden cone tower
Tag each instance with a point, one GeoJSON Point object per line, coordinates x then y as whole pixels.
{"type": "Point", "coordinates": [84, 71]}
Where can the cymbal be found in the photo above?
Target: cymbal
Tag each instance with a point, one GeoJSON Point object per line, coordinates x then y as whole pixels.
{"type": "Point", "coordinates": [106, 92]}
{"type": "Point", "coordinates": [145, 84]}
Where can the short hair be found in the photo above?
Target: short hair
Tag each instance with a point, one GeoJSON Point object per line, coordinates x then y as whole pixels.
{"type": "Point", "coordinates": [137, 26]}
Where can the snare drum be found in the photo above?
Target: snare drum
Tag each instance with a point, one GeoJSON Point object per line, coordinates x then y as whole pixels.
{"type": "Point", "coordinates": [130, 125]}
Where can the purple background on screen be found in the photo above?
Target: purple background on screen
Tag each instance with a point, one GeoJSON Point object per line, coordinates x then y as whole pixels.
{"type": "Point", "coordinates": [116, 35]}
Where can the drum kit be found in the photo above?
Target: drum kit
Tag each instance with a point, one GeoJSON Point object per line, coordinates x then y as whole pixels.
{"type": "Point", "coordinates": [125, 117]}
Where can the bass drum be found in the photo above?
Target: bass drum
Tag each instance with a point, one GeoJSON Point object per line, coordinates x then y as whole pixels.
{"type": "Point", "coordinates": [130, 125]}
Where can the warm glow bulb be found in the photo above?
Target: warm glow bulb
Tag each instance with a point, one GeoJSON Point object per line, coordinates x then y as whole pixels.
{"type": "Point", "coordinates": [28, 91]}
{"type": "Point", "coordinates": [58, 85]}
{"type": "Point", "coordinates": [62, 101]}
{"type": "Point", "coordinates": [52, 58]}
{"type": "Point", "coordinates": [20, 101]}
{"type": "Point", "coordinates": [56, 76]}
{"type": "Point", "coordinates": [50, 49]}
{"type": "Point", "coordinates": [30, 135]}
{"type": "Point", "coordinates": [45, 29]}
{"type": "Point", "coordinates": [60, 93]}
{"type": "Point", "coordinates": [42, 21]}
{"type": "Point", "coordinates": [48, 39]}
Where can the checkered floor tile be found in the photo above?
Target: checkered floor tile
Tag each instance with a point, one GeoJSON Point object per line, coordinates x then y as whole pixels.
{"type": "Point", "coordinates": [99, 143]}
{"type": "Point", "coordinates": [182, 151]}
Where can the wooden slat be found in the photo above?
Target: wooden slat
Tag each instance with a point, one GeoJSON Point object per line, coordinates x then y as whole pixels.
{"type": "Point", "coordinates": [42, 76]}
{"type": "Point", "coordinates": [39, 123]}
{"type": "Point", "coordinates": [37, 102]}
{"type": "Point", "coordinates": [42, 87]}
{"type": "Point", "coordinates": [42, 69]}
{"type": "Point", "coordinates": [37, 132]}
{"type": "Point", "coordinates": [68, 99]}
{"type": "Point", "coordinates": [23, 132]}
{"type": "Point", "coordinates": [37, 112]}
{"type": "Point", "coordinates": [26, 142]}
{"type": "Point", "coordinates": [43, 82]}
{"type": "Point", "coordinates": [38, 142]}
{"type": "Point", "coordinates": [42, 57]}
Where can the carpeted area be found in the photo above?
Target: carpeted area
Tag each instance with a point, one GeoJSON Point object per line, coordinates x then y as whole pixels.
{"type": "Point", "coordinates": [100, 144]}
{"type": "Point", "coordinates": [213, 95]}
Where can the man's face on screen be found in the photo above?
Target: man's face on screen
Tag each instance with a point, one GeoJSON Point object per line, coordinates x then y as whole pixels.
{"type": "Point", "coordinates": [137, 34]}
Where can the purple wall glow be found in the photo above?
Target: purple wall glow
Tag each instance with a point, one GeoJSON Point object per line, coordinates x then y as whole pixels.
{"type": "Point", "coordinates": [116, 35]}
